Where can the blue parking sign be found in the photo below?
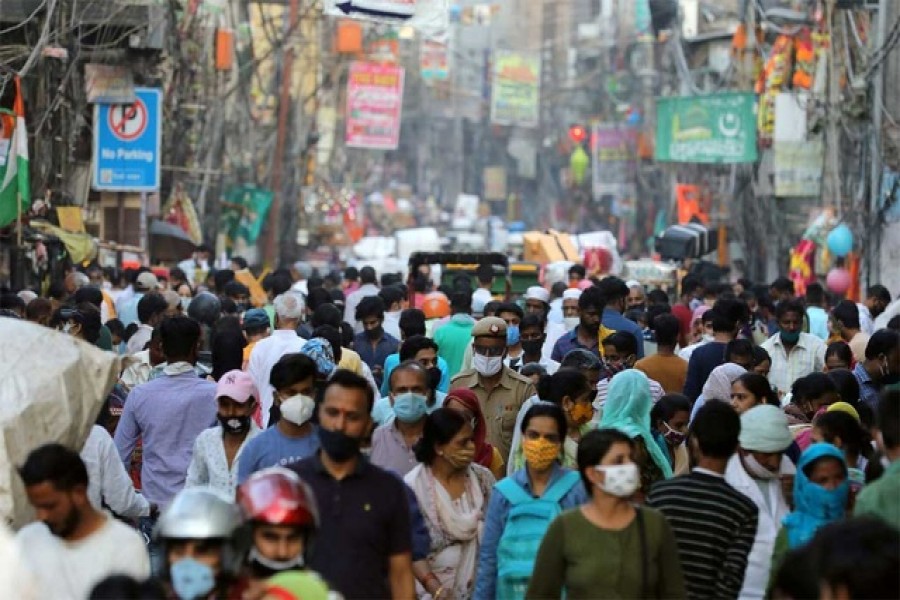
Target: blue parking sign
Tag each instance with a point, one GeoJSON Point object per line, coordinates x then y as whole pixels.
{"type": "Point", "coordinates": [127, 143]}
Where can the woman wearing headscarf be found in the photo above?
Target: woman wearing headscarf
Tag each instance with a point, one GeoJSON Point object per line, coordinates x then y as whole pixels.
{"type": "Point", "coordinates": [453, 493]}
{"type": "Point", "coordinates": [464, 401]}
{"type": "Point", "coordinates": [627, 409]}
{"type": "Point", "coordinates": [821, 493]}
{"type": "Point", "coordinates": [718, 385]}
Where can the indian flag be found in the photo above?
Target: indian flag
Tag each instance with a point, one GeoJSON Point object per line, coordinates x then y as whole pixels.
{"type": "Point", "coordinates": [15, 174]}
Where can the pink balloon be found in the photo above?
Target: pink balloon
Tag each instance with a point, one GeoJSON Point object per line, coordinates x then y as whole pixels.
{"type": "Point", "coordinates": [838, 280]}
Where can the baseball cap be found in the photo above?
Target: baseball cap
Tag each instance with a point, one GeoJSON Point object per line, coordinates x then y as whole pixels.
{"type": "Point", "coordinates": [146, 281]}
{"type": "Point", "coordinates": [237, 385]}
{"type": "Point", "coordinates": [255, 317]}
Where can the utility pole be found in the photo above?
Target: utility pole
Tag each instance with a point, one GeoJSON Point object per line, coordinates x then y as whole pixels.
{"type": "Point", "coordinates": [873, 273]}
{"type": "Point", "coordinates": [284, 108]}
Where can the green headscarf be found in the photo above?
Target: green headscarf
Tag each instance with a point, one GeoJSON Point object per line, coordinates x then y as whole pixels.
{"type": "Point", "coordinates": [627, 408]}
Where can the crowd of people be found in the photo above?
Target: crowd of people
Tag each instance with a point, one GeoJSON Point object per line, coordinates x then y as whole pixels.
{"type": "Point", "coordinates": [342, 435]}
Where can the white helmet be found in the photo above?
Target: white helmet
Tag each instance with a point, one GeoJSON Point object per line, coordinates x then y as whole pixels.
{"type": "Point", "coordinates": [198, 514]}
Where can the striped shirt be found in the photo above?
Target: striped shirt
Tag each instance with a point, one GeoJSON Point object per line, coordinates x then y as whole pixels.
{"type": "Point", "coordinates": [808, 356]}
{"type": "Point", "coordinates": [715, 527]}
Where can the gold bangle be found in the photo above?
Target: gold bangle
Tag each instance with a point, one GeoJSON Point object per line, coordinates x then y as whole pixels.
{"type": "Point", "coordinates": [438, 593]}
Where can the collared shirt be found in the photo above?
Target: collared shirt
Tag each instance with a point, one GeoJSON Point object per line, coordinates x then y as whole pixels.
{"type": "Point", "coordinates": [364, 521]}
{"type": "Point", "coordinates": [209, 465]}
{"type": "Point", "coordinates": [570, 342]}
{"type": "Point", "coordinates": [499, 405]}
{"type": "Point", "coordinates": [808, 356]}
{"type": "Point", "coordinates": [168, 413]}
{"type": "Point", "coordinates": [390, 451]}
{"type": "Point", "coordinates": [265, 354]}
{"type": "Point", "coordinates": [374, 356]}
{"type": "Point", "coordinates": [495, 522]}
{"type": "Point", "coordinates": [353, 300]}
{"type": "Point", "coordinates": [868, 389]}
{"type": "Point", "coordinates": [613, 319]}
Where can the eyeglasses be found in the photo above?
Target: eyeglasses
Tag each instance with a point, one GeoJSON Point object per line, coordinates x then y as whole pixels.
{"type": "Point", "coordinates": [488, 351]}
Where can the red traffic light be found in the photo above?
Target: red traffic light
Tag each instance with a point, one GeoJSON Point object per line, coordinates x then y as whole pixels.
{"type": "Point", "coordinates": [577, 133]}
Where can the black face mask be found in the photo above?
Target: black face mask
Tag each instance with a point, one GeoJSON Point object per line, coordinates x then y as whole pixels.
{"type": "Point", "coordinates": [339, 446]}
{"type": "Point", "coordinates": [374, 333]}
{"type": "Point", "coordinates": [532, 347]}
{"type": "Point", "coordinates": [236, 425]}
{"type": "Point", "coordinates": [434, 378]}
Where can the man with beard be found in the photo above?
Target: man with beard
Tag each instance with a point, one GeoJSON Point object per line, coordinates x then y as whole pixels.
{"type": "Point", "coordinates": [364, 550]}
{"type": "Point", "coordinates": [877, 299]}
{"type": "Point", "coordinates": [72, 546]}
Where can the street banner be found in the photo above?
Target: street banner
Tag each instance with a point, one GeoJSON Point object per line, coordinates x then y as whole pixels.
{"type": "Point", "coordinates": [515, 97]}
{"type": "Point", "coordinates": [434, 63]}
{"type": "Point", "coordinates": [374, 105]}
{"type": "Point", "coordinates": [798, 168]}
{"type": "Point", "coordinates": [614, 160]}
{"type": "Point", "coordinates": [713, 129]}
{"type": "Point", "coordinates": [244, 211]}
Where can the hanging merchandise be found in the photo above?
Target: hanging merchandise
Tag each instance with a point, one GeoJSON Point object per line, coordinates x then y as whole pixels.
{"type": "Point", "coordinates": [802, 269]}
{"type": "Point", "coordinates": [840, 241]}
{"type": "Point", "coordinates": [179, 210]}
{"type": "Point", "coordinates": [773, 79]}
{"type": "Point", "coordinates": [838, 280]}
{"type": "Point", "coordinates": [244, 211]}
{"type": "Point", "coordinates": [693, 203]}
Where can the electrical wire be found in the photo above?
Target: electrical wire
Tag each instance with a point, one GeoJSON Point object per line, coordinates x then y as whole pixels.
{"type": "Point", "coordinates": [27, 20]}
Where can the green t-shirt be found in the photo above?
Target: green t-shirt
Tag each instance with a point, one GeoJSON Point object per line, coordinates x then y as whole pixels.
{"type": "Point", "coordinates": [880, 498]}
{"type": "Point", "coordinates": [589, 562]}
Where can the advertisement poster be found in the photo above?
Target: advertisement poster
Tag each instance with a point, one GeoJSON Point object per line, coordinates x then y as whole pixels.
{"type": "Point", "coordinates": [614, 160]}
{"type": "Point", "coordinates": [515, 97]}
{"type": "Point", "coordinates": [712, 129]}
{"type": "Point", "coordinates": [798, 168]}
{"type": "Point", "coordinates": [374, 105]}
{"type": "Point", "coordinates": [434, 61]}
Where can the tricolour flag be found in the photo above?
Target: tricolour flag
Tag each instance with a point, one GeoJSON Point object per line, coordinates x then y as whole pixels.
{"type": "Point", "coordinates": [15, 174]}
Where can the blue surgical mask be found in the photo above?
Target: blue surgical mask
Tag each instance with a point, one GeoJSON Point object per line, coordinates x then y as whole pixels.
{"type": "Point", "coordinates": [191, 579]}
{"type": "Point", "coordinates": [512, 335]}
{"type": "Point", "coordinates": [410, 407]}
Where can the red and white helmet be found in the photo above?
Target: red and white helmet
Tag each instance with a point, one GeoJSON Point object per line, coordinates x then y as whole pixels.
{"type": "Point", "coordinates": [278, 496]}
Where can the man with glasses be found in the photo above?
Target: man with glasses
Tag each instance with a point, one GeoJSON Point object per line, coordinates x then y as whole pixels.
{"type": "Point", "coordinates": [500, 390]}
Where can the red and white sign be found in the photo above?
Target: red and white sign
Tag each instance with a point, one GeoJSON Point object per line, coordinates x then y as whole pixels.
{"type": "Point", "coordinates": [128, 121]}
{"type": "Point", "coordinates": [374, 105]}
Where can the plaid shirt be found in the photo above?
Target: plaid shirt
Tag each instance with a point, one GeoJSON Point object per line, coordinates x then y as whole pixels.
{"type": "Point", "coordinates": [808, 356]}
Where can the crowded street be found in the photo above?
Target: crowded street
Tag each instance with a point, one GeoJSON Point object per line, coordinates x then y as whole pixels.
{"type": "Point", "coordinates": [449, 299]}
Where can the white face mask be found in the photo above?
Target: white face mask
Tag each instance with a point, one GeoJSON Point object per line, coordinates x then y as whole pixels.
{"type": "Point", "coordinates": [619, 480]}
{"type": "Point", "coordinates": [297, 409]}
{"type": "Point", "coordinates": [756, 470]}
{"type": "Point", "coordinates": [185, 302]}
{"type": "Point", "coordinates": [487, 365]}
{"type": "Point", "coordinates": [571, 323]}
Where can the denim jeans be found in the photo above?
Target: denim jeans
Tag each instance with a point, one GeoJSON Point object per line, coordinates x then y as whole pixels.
{"type": "Point", "coordinates": [154, 548]}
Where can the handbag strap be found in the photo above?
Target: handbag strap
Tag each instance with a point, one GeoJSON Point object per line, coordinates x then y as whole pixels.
{"type": "Point", "coordinates": [643, 535]}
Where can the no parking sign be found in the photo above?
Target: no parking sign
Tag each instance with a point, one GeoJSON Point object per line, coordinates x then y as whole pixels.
{"type": "Point", "coordinates": [127, 141]}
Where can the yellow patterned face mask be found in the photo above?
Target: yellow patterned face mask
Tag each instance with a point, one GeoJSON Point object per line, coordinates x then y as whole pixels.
{"type": "Point", "coordinates": [581, 413]}
{"type": "Point", "coordinates": [540, 453]}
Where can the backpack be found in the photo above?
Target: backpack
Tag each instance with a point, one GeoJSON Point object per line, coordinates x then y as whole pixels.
{"type": "Point", "coordinates": [525, 527]}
